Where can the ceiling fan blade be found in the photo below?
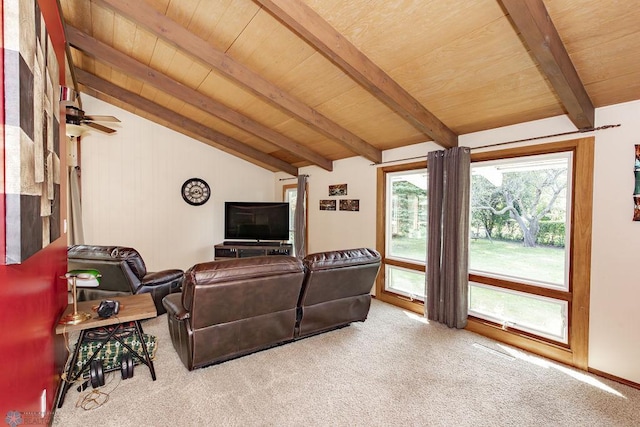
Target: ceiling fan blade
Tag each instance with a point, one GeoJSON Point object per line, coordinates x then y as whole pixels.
{"type": "Point", "coordinates": [101, 118]}
{"type": "Point", "coordinates": [99, 127]}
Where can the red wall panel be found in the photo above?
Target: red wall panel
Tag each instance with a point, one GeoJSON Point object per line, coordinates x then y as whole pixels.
{"type": "Point", "coordinates": [32, 295]}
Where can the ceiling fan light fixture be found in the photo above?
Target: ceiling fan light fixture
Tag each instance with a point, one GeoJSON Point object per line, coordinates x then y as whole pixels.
{"type": "Point", "coordinates": [68, 95]}
{"type": "Point", "coordinates": [74, 131]}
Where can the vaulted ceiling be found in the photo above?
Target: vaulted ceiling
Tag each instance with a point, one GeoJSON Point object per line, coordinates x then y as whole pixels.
{"type": "Point", "coordinates": [290, 83]}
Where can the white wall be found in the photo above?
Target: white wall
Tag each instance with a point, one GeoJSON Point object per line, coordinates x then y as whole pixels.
{"type": "Point", "coordinates": [330, 230]}
{"type": "Point", "coordinates": [614, 344]}
{"type": "Point", "coordinates": [131, 183]}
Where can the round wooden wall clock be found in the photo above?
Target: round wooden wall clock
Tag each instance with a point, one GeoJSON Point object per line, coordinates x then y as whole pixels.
{"type": "Point", "coordinates": [196, 191]}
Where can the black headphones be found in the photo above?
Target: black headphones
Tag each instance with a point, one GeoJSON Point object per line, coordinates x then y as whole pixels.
{"type": "Point", "coordinates": [126, 366]}
{"type": "Point", "coordinates": [108, 308]}
{"type": "Point", "coordinates": [97, 371]}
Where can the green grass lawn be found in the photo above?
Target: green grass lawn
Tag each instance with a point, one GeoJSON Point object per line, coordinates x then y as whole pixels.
{"type": "Point", "coordinates": [541, 263]}
{"type": "Point", "coordinates": [407, 247]}
{"type": "Point", "coordinates": [517, 310]}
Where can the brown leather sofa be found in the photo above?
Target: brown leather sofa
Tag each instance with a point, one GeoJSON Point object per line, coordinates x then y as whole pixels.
{"type": "Point", "coordinates": [231, 308]}
{"type": "Point", "coordinates": [123, 272]}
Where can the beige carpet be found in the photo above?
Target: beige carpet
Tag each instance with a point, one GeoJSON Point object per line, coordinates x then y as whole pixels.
{"type": "Point", "coordinates": [393, 369]}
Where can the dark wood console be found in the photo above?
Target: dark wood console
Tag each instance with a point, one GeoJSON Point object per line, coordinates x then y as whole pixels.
{"type": "Point", "coordinates": [240, 250]}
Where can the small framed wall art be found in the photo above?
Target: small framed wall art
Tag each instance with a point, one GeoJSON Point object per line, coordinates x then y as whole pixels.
{"type": "Point", "coordinates": [338, 190]}
{"type": "Point", "coordinates": [327, 205]}
{"type": "Point", "coordinates": [352, 205]}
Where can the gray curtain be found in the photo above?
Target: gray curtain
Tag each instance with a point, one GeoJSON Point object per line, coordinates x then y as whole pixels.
{"type": "Point", "coordinates": [76, 230]}
{"type": "Point", "coordinates": [300, 219]}
{"type": "Point", "coordinates": [447, 287]}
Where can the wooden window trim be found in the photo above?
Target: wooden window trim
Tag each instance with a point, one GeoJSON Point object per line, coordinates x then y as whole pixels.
{"type": "Point", "coordinates": [381, 207]}
{"type": "Point", "coordinates": [306, 210]}
{"type": "Point", "coordinates": [404, 264]}
{"type": "Point", "coordinates": [521, 287]}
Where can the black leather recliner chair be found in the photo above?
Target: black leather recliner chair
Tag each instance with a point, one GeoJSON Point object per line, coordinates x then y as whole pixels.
{"type": "Point", "coordinates": [123, 273]}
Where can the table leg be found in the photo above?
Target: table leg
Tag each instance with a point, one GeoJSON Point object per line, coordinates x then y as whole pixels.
{"type": "Point", "coordinates": [70, 378]}
{"type": "Point", "coordinates": [144, 348]}
{"type": "Point", "coordinates": [67, 380]}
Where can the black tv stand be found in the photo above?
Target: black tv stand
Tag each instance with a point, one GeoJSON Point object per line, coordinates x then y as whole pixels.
{"type": "Point", "coordinates": [230, 250]}
{"type": "Point", "coordinates": [251, 243]}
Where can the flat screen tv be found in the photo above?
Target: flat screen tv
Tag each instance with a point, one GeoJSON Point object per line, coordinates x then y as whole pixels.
{"type": "Point", "coordinates": [256, 221]}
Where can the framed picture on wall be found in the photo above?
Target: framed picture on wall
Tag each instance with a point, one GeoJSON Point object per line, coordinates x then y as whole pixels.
{"type": "Point", "coordinates": [327, 205]}
{"type": "Point", "coordinates": [338, 190]}
{"type": "Point", "coordinates": [350, 205]}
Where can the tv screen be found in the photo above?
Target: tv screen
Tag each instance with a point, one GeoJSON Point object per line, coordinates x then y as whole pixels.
{"type": "Point", "coordinates": [256, 220]}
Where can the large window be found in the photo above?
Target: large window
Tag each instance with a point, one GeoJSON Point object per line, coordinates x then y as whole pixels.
{"type": "Point", "coordinates": [530, 236]}
{"type": "Point", "coordinates": [530, 248]}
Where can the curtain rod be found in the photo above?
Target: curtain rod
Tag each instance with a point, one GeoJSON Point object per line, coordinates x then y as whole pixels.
{"type": "Point", "coordinates": [295, 177]}
{"type": "Point", "coordinates": [513, 142]}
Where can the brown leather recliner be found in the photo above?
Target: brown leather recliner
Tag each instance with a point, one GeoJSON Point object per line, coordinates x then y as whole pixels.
{"type": "Point", "coordinates": [123, 272]}
{"type": "Point", "coordinates": [234, 307]}
{"type": "Point", "coordinates": [336, 289]}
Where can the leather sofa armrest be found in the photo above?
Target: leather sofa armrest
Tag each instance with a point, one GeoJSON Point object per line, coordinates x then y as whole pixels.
{"type": "Point", "coordinates": [161, 277]}
{"type": "Point", "coordinates": [173, 304]}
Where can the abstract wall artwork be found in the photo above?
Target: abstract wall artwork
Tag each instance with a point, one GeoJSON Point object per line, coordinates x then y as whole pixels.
{"type": "Point", "coordinates": [32, 139]}
{"type": "Point", "coordinates": [636, 191]}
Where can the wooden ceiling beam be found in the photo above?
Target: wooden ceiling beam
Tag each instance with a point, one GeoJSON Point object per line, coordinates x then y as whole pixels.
{"type": "Point", "coordinates": [532, 20]}
{"type": "Point", "coordinates": [136, 69]}
{"type": "Point", "coordinates": [143, 14]}
{"type": "Point", "coordinates": [319, 33]}
{"type": "Point", "coordinates": [182, 122]}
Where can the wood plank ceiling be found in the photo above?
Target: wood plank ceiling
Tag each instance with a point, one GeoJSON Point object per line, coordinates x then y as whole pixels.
{"type": "Point", "coordinates": [290, 83]}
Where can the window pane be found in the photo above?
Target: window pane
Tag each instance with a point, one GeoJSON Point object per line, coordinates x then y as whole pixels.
{"type": "Point", "coordinates": [407, 215]}
{"type": "Point", "coordinates": [519, 222]}
{"type": "Point", "coordinates": [530, 313]}
{"type": "Point", "coordinates": [291, 195]}
{"type": "Point", "coordinates": [405, 282]}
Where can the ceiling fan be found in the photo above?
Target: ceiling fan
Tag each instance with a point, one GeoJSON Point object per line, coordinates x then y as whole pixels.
{"type": "Point", "coordinates": [78, 122]}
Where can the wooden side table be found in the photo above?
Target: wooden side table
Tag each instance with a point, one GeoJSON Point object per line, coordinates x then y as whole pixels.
{"type": "Point", "coordinates": [133, 308]}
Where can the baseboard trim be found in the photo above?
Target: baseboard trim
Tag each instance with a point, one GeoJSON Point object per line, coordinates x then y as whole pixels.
{"type": "Point", "coordinates": [614, 378]}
